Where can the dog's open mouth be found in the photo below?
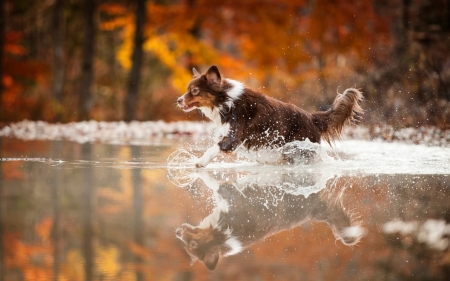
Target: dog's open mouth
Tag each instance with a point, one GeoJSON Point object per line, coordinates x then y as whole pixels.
{"type": "Point", "coordinates": [190, 107]}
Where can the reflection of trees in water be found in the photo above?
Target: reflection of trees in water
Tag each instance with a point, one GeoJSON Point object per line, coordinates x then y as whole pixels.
{"type": "Point", "coordinates": [2, 207]}
{"type": "Point", "coordinates": [419, 201]}
{"type": "Point", "coordinates": [422, 244]}
{"type": "Point", "coordinates": [88, 209]}
{"type": "Point", "coordinates": [138, 211]}
{"type": "Point", "coordinates": [57, 190]}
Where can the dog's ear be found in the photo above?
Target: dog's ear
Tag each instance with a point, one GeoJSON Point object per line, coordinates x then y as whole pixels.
{"type": "Point", "coordinates": [195, 72]}
{"type": "Point", "coordinates": [213, 75]}
{"type": "Point", "coordinates": [211, 259]}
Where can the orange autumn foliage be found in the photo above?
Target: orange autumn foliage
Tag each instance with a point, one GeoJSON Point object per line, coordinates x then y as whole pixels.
{"type": "Point", "coordinates": [299, 51]}
{"type": "Point", "coordinates": [269, 36]}
{"type": "Point", "coordinates": [18, 72]}
{"type": "Point", "coordinates": [34, 260]}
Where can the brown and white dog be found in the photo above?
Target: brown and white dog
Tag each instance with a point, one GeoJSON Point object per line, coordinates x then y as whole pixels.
{"type": "Point", "coordinates": [254, 120]}
{"type": "Point", "coordinates": [250, 208]}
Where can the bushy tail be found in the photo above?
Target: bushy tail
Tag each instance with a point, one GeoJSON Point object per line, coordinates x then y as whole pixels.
{"type": "Point", "coordinates": [344, 109]}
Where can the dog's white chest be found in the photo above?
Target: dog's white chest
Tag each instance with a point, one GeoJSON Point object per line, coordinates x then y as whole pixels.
{"type": "Point", "coordinates": [214, 115]}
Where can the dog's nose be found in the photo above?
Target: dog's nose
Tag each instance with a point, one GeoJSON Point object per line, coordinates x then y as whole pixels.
{"type": "Point", "coordinates": [179, 232]}
{"type": "Point", "coordinates": [180, 100]}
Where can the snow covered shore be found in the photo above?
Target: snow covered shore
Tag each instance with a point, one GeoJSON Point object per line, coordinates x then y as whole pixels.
{"type": "Point", "coordinates": [121, 132]}
{"type": "Point", "coordinates": [425, 135]}
{"type": "Point", "coordinates": [106, 132]}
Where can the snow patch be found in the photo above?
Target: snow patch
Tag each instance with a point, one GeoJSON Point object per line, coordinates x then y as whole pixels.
{"type": "Point", "coordinates": [432, 233]}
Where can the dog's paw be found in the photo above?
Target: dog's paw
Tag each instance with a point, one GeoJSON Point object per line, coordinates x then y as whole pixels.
{"type": "Point", "coordinates": [200, 163]}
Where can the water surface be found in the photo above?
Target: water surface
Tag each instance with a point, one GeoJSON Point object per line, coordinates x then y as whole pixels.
{"type": "Point", "coordinates": [74, 211]}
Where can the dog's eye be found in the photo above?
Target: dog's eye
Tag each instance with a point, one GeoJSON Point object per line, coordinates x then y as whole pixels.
{"type": "Point", "coordinates": [195, 91]}
{"type": "Point", "coordinates": [193, 244]}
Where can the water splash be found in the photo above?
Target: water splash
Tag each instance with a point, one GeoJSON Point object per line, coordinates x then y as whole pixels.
{"type": "Point", "coordinates": [180, 168]}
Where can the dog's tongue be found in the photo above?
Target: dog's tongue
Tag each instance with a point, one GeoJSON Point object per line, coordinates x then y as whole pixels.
{"type": "Point", "coordinates": [187, 107]}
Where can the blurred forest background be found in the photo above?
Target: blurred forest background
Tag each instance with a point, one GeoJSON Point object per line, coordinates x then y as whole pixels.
{"type": "Point", "coordinates": [71, 60]}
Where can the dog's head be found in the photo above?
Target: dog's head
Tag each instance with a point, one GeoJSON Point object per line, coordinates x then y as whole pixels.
{"type": "Point", "coordinates": [203, 244]}
{"type": "Point", "coordinates": [208, 91]}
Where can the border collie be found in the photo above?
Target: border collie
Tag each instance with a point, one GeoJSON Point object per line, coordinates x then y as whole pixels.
{"type": "Point", "coordinates": [237, 222]}
{"type": "Point", "coordinates": [254, 120]}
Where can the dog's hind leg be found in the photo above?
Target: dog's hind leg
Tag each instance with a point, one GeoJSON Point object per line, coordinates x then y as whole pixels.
{"type": "Point", "coordinates": [298, 155]}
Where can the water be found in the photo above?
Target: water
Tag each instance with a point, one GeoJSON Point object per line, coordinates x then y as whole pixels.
{"type": "Point", "coordinates": [364, 211]}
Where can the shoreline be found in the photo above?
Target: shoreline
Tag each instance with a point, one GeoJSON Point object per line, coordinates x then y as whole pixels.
{"type": "Point", "coordinates": [121, 132]}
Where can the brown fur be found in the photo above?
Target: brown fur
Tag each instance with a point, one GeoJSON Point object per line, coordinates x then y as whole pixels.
{"type": "Point", "coordinates": [206, 100]}
{"type": "Point", "coordinates": [258, 121]}
{"type": "Point", "coordinates": [262, 121]}
{"type": "Point", "coordinates": [343, 110]}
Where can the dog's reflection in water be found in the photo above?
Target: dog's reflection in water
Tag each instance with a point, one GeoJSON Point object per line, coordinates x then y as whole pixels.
{"type": "Point", "coordinates": [252, 207]}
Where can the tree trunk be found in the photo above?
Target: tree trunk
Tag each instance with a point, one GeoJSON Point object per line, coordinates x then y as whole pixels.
{"type": "Point", "coordinates": [195, 32]}
{"type": "Point", "coordinates": [138, 212]}
{"type": "Point", "coordinates": [58, 42]}
{"type": "Point", "coordinates": [88, 210]}
{"type": "Point", "coordinates": [446, 16]}
{"type": "Point", "coordinates": [88, 58]}
{"type": "Point", "coordinates": [2, 44]}
{"type": "Point", "coordinates": [134, 75]}
{"type": "Point", "coordinates": [405, 14]}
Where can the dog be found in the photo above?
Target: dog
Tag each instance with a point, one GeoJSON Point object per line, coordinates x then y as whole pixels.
{"type": "Point", "coordinates": [250, 208]}
{"type": "Point", "coordinates": [254, 120]}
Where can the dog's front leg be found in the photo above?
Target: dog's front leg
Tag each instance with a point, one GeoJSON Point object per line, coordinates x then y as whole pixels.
{"type": "Point", "coordinates": [227, 145]}
{"type": "Point", "coordinates": [212, 152]}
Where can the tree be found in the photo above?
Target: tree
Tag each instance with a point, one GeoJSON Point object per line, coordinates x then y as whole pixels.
{"type": "Point", "coordinates": [88, 58]}
{"type": "Point", "coordinates": [2, 44]}
{"type": "Point", "coordinates": [58, 42]}
{"type": "Point", "coordinates": [134, 75]}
